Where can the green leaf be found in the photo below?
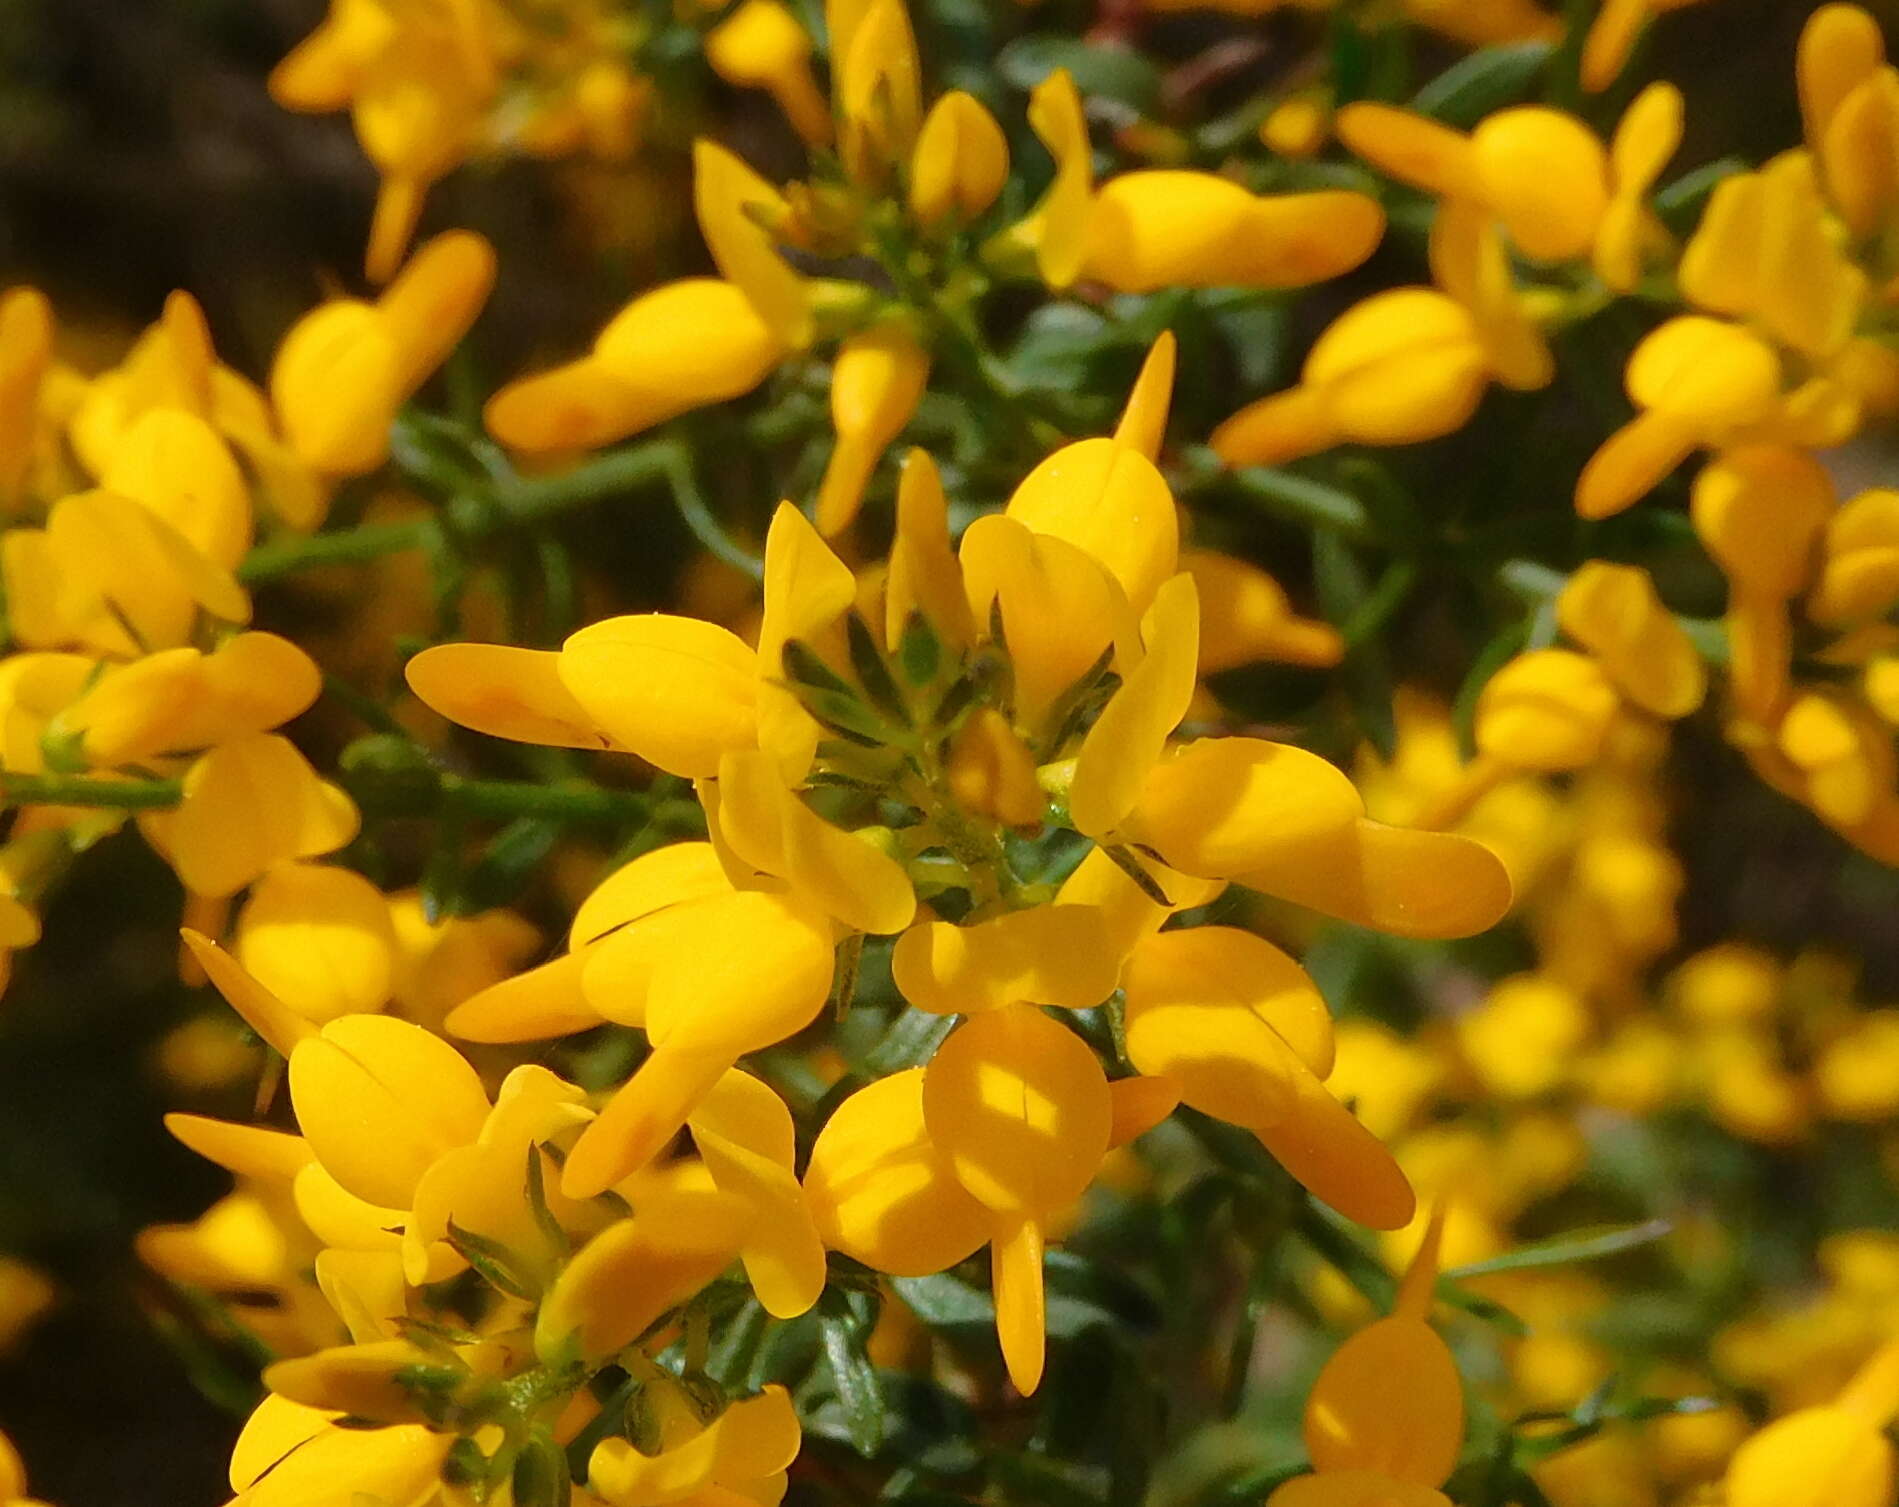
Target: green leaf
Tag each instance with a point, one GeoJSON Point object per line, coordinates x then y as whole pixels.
{"type": "Point", "coordinates": [1116, 73]}
{"type": "Point", "coordinates": [1564, 1250]}
{"type": "Point", "coordinates": [1301, 500]}
{"type": "Point", "coordinates": [854, 1378]}
{"type": "Point", "coordinates": [506, 865]}
{"type": "Point", "coordinates": [493, 1262]}
{"type": "Point", "coordinates": [1474, 87]}
{"type": "Point", "coordinates": [945, 1302]}
{"type": "Point", "coordinates": [872, 672]}
{"type": "Point", "coordinates": [919, 651]}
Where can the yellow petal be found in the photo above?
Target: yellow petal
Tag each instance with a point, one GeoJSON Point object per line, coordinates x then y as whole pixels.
{"type": "Point", "coordinates": [1048, 955]}
{"type": "Point", "coordinates": [320, 939]}
{"type": "Point", "coordinates": [882, 1193]}
{"type": "Point", "coordinates": [1632, 462]}
{"type": "Point", "coordinates": [247, 1150]}
{"type": "Point", "coordinates": [1019, 1107]}
{"type": "Point", "coordinates": [433, 301]}
{"type": "Point", "coordinates": [1164, 228]}
{"type": "Point", "coordinates": [1840, 47]}
{"type": "Point", "coordinates": [1223, 806]}
{"type": "Point", "coordinates": [1410, 147]}
{"type": "Point", "coordinates": [379, 1099]}
{"type": "Point", "coordinates": [1546, 176]}
{"type": "Point", "coordinates": [1396, 880]}
{"type": "Point", "coordinates": [876, 381]}
{"type": "Point", "coordinates": [731, 201]}
{"type": "Point", "coordinates": [1143, 423]}
{"type": "Point", "coordinates": [677, 691]}
{"type": "Point", "coordinates": [504, 692]}
{"type": "Point", "coordinates": [1613, 611]}
{"type": "Point", "coordinates": [1389, 1400]}
{"type": "Point", "coordinates": [1245, 617]}
{"type": "Point", "coordinates": [250, 804]}
{"type": "Point", "coordinates": [1130, 736]}
{"type": "Point", "coordinates": [177, 465]}
{"type": "Point", "coordinates": [671, 875]}
{"type": "Point", "coordinates": [1058, 229]}
{"type": "Point", "coordinates": [1760, 510]}
{"type": "Point", "coordinates": [336, 386]}
{"type": "Point", "coordinates": [1021, 1306]}
{"type": "Point", "coordinates": [1547, 709]}
{"type": "Point", "coordinates": [1110, 501]}
{"type": "Point", "coordinates": [744, 1133]}
{"type": "Point", "coordinates": [628, 1275]}
{"type": "Point", "coordinates": [531, 1006]}
{"type": "Point", "coordinates": [924, 578]}
{"type": "Point", "coordinates": [263, 1012]}
{"type": "Point", "coordinates": [960, 163]}
{"type": "Point", "coordinates": [645, 1112]}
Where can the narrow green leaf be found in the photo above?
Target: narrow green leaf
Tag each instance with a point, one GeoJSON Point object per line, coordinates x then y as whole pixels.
{"type": "Point", "coordinates": [1565, 1250]}
{"type": "Point", "coordinates": [855, 1379]}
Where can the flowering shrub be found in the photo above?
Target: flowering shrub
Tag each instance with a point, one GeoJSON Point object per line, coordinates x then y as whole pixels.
{"type": "Point", "coordinates": [1225, 878]}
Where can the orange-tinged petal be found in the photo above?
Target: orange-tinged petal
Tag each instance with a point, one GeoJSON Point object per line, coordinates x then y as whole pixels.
{"type": "Point", "coordinates": [1139, 1105]}
{"type": "Point", "coordinates": [1237, 971]}
{"type": "Point", "coordinates": [746, 970]}
{"type": "Point", "coordinates": [1389, 1400]}
{"type": "Point", "coordinates": [1272, 431]}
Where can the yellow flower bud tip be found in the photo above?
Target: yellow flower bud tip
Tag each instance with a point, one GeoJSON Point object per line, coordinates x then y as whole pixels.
{"type": "Point", "coordinates": [1143, 423]}
{"type": "Point", "coordinates": [1840, 48]}
{"type": "Point", "coordinates": [263, 1012]}
{"type": "Point", "coordinates": [1417, 1290]}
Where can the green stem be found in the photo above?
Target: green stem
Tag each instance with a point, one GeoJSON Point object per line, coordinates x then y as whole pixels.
{"type": "Point", "coordinates": [409, 793]}
{"type": "Point", "coordinates": [519, 503]}
{"type": "Point", "coordinates": [88, 790]}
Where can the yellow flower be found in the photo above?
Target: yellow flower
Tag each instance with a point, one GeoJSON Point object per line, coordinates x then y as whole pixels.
{"type": "Point", "coordinates": [290, 1455]}
{"type": "Point", "coordinates": [1385, 1420]}
{"type": "Point", "coordinates": [1614, 613]}
{"type": "Point", "coordinates": [1408, 364]}
{"type": "Point", "coordinates": [1836, 1454]}
{"type": "Point", "coordinates": [741, 1455]}
{"type": "Point", "coordinates": [876, 382]}
{"type": "Point", "coordinates": [761, 45]}
{"type": "Point", "coordinates": [343, 371]}
{"type": "Point", "coordinates": [1242, 1034]}
{"type": "Point", "coordinates": [320, 939]}
{"type": "Point", "coordinates": [1146, 230]}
